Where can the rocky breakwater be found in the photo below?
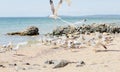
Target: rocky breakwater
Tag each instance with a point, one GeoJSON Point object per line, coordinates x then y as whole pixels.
{"type": "Point", "coordinates": [108, 28]}
{"type": "Point", "coordinates": [64, 30]}
{"type": "Point", "coordinates": [30, 31]}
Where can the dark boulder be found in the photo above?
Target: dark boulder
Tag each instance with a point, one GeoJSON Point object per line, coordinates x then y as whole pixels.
{"type": "Point", "coordinates": [30, 31]}
{"type": "Point", "coordinates": [61, 63]}
{"type": "Point", "coordinates": [57, 63]}
{"type": "Point", "coordinates": [64, 30]}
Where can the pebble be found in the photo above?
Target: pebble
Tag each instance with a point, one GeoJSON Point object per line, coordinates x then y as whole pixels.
{"type": "Point", "coordinates": [61, 63]}
{"type": "Point", "coordinates": [2, 66]}
{"type": "Point", "coordinates": [81, 63]}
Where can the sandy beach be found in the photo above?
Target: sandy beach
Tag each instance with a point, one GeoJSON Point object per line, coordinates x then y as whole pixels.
{"type": "Point", "coordinates": [32, 58]}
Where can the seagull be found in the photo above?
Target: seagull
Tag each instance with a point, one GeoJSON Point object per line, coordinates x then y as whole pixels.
{"type": "Point", "coordinates": [77, 43]}
{"type": "Point", "coordinates": [97, 43]}
{"type": "Point", "coordinates": [69, 43]}
{"type": "Point", "coordinates": [55, 10]}
{"type": "Point", "coordinates": [8, 47]}
{"type": "Point", "coordinates": [16, 48]}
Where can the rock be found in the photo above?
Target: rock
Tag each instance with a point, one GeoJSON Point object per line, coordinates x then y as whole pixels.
{"type": "Point", "coordinates": [30, 31]}
{"type": "Point", "coordinates": [27, 63]}
{"type": "Point", "coordinates": [2, 66]}
{"type": "Point", "coordinates": [58, 31]}
{"type": "Point", "coordinates": [108, 28]}
{"type": "Point", "coordinates": [80, 63]}
{"type": "Point", "coordinates": [14, 33]}
{"type": "Point", "coordinates": [50, 62]}
{"type": "Point", "coordinates": [64, 30]}
{"type": "Point", "coordinates": [61, 63]}
{"type": "Point", "coordinates": [15, 64]}
{"type": "Point", "coordinates": [56, 63]}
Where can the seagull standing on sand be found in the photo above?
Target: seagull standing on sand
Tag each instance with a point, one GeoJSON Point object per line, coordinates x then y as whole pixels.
{"type": "Point", "coordinates": [8, 47]}
{"type": "Point", "coordinates": [55, 10]}
{"type": "Point", "coordinates": [69, 45]}
{"type": "Point", "coordinates": [96, 43]}
{"type": "Point", "coordinates": [16, 48]}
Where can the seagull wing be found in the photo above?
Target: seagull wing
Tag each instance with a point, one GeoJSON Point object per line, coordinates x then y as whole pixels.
{"type": "Point", "coordinates": [58, 6]}
{"type": "Point", "coordinates": [55, 10]}
{"type": "Point", "coordinates": [52, 7]}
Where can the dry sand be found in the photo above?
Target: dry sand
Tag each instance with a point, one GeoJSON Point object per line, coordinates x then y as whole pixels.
{"type": "Point", "coordinates": [36, 55]}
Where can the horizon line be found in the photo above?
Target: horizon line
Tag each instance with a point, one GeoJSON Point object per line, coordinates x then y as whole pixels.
{"type": "Point", "coordinates": [61, 16]}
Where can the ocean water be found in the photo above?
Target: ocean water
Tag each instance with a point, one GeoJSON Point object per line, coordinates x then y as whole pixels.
{"type": "Point", "coordinates": [45, 25]}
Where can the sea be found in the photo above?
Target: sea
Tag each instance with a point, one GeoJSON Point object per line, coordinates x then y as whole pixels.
{"type": "Point", "coordinates": [45, 25]}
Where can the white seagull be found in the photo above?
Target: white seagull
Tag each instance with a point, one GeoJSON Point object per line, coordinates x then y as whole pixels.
{"type": "Point", "coordinates": [55, 10]}
{"type": "Point", "coordinates": [18, 46]}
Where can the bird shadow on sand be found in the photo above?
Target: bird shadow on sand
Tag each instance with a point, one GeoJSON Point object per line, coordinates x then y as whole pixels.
{"type": "Point", "coordinates": [108, 51]}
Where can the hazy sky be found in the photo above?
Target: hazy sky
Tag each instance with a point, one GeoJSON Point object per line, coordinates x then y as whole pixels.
{"type": "Point", "coordinates": [28, 8]}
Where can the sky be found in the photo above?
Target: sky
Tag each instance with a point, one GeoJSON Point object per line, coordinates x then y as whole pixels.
{"type": "Point", "coordinates": [40, 8]}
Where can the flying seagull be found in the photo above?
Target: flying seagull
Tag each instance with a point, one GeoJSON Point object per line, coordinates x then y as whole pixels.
{"type": "Point", "coordinates": [55, 10]}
